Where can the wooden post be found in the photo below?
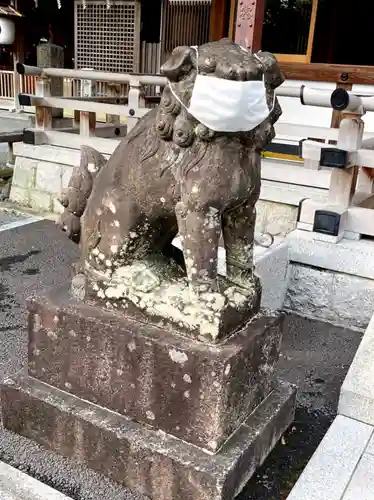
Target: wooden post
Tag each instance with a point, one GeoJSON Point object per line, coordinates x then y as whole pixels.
{"type": "Point", "coordinates": [43, 115]}
{"type": "Point", "coordinates": [249, 20]}
{"type": "Point", "coordinates": [76, 119]}
{"type": "Point", "coordinates": [18, 55]}
{"type": "Point", "coordinates": [16, 82]}
{"type": "Point", "coordinates": [112, 92]}
{"type": "Point", "coordinates": [87, 123]}
{"type": "Point", "coordinates": [217, 20]}
{"type": "Point", "coordinates": [343, 181]}
{"type": "Point", "coordinates": [135, 100]}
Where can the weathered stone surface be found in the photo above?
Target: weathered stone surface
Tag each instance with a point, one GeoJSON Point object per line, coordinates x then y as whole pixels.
{"type": "Point", "coordinates": [153, 463]}
{"type": "Point", "coordinates": [275, 218]}
{"type": "Point", "coordinates": [152, 291]}
{"type": "Point", "coordinates": [330, 296]}
{"type": "Point", "coordinates": [353, 300]}
{"type": "Point", "coordinates": [40, 200]}
{"type": "Point", "coordinates": [310, 292]}
{"type": "Point", "coordinates": [24, 173]}
{"type": "Point", "coordinates": [48, 177]}
{"type": "Point", "coordinates": [19, 195]}
{"type": "Point", "coordinates": [53, 154]}
{"type": "Point", "coordinates": [192, 390]}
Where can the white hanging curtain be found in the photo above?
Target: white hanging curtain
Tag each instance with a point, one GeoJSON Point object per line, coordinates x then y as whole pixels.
{"type": "Point", "coordinates": [190, 2]}
{"type": "Point", "coordinates": [58, 3]}
{"type": "Point", "coordinates": [108, 3]}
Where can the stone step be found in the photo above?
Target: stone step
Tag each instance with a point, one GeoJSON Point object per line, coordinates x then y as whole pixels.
{"type": "Point", "coordinates": [331, 472]}
{"type": "Point", "coordinates": [137, 456]}
{"type": "Point", "coordinates": [15, 485]}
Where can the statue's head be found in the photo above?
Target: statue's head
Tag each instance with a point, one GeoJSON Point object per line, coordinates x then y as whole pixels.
{"type": "Point", "coordinates": [187, 101]}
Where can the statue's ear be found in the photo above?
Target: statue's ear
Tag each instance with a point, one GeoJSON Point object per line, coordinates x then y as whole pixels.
{"type": "Point", "coordinates": [179, 64]}
{"type": "Point", "coordinates": [273, 74]}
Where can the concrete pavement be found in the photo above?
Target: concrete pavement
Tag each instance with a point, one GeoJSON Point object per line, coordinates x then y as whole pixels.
{"type": "Point", "coordinates": [15, 485]}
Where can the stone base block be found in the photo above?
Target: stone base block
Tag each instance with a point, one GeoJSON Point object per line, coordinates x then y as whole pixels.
{"type": "Point", "coordinates": [194, 391]}
{"type": "Point", "coordinates": [332, 282]}
{"type": "Point", "coordinates": [148, 461]}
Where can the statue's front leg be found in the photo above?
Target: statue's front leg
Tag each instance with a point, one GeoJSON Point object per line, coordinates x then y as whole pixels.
{"type": "Point", "coordinates": [238, 227]}
{"type": "Point", "coordinates": [199, 230]}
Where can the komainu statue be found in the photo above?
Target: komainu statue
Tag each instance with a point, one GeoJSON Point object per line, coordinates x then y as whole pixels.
{"type": "Point", "coordinates": [191, 166]}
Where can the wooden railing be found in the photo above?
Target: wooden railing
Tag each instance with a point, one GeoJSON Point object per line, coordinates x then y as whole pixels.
{"type": "Point", "coordinates": [26, 84]}
{"type": "Point", "coordinates": [121, 96]}
{"type": "Point", "coordinates": [6, 85]}
{"type": "Point", "coordinates": [72, 86]}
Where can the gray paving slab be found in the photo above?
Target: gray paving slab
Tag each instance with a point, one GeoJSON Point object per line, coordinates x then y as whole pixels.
{"type": "Point", "coordinates": [329, 471]}
{"type": "Point", "coordinates": [11, 220]}
{"type": "Point", "coordinates": [361, 486]}
{"type": "Point", "coordinates": [7, 216]}
{"type": "Point", "coordinates": [370, 447]}
{"type": "Point", "coordinates": [16, 485]}
{"type": "Point", "coordinates": [357, 393]}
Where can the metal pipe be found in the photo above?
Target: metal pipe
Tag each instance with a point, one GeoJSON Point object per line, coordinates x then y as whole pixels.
{"type": "Point", "coordinates": [314, 97]}
{"type": "Point", "coordinates": [102, 76]}
{"type": "Point", "coordinates": [23, 69]}
{"type": "Point", "coordinates": [284, 91]}
{"type": "Point", "coordinates": [338, 99]}
{"type": "Point", "coordinates": [368, 103]}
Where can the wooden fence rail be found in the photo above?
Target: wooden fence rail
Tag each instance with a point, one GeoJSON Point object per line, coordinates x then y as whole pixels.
{"type": "Point", "coordinates": [72, 87]}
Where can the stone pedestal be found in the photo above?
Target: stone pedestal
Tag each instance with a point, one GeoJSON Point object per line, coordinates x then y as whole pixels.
{"type": "Point", "coordinates": [49, 55]}
{"type": "Point", "coordinates": [163, 414]}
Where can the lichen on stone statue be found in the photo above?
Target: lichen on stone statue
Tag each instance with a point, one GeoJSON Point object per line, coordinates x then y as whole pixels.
{"type": "Point", "coordinates": [171, 174]}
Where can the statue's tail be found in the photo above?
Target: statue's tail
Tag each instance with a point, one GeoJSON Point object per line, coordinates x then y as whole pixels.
{"type": "Point", "coordinates": [74, 198]}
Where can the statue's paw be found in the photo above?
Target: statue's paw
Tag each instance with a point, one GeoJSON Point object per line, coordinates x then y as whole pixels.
{"type": "Point", "coordinates": [245, 279]}
{"type": "Point", "coordinates": [63, 198]}
{"type": "Point", "coordinates": [138, 276]}
{"type": "Point", "coordinates": [71, 225]}
{"type": "Point", "coordinates": [214, 301]}
{"type": "Point", "coordinates": [101, 260]}
{"type": "Point", "coordinates": [236, 296]}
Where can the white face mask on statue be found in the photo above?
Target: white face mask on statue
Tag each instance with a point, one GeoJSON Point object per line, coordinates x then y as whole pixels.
{"type": "Point", "coordinates": [227, 105]}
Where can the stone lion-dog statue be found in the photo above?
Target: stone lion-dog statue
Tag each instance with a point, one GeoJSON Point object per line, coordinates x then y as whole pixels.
{"type": "Point", "coordinates": [171, 174]}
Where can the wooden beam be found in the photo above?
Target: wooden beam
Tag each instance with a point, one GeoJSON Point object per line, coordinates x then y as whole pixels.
{"type": "Point", "coordinates": [217, 20]}
{"type": "Point", "coordinates": [43, 112]}
{"type": "Point", "coordinates": [312, 28]}
{"type": "Point", "coordinates": [337, 73]}
{"type": "Point", "coordinates": [71, 141]}
{"type": "Point", "coordinates": [249, 20]}
{"type": "Point", "coordinates": [232, 19]}
{"type": "Point", "coordinates": [90, 106]}
{"type": "Point", "coordinates": [87, 124]}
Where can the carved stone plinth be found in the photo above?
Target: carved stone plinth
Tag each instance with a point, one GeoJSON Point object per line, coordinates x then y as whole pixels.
{"type": "Point", "coordinates": [141, 403]}
{"type": "Point", "coordinates": [143, 459]}
{"type": "Point", "coordinates": [49, 55]}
